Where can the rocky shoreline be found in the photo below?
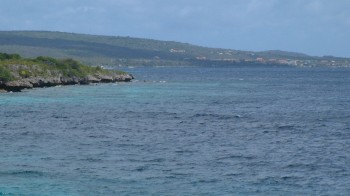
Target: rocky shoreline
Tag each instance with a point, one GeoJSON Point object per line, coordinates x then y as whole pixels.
{"type": "Point", "coordinates": [39, 82]}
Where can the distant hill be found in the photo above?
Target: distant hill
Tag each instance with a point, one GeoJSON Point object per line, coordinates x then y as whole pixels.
{"type": "Point", "coordinates": [127, 51]}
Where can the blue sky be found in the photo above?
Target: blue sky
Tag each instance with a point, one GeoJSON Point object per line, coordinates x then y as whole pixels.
{"type": "Point", "coordinates": [314, 27]}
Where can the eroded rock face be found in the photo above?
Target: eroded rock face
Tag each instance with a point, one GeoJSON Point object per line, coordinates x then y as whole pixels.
{"type": "Point", "coordinates": [91, 79]}
{"type": "Point", "coordinates": [123, 77]}
{"type": "Point", "coordinates": [33, 82]}
{"type": "Point", "coordinates": [44, 82]}
{"type": "Point", "coordinates": [17, 85]}
{"type": "Point", "coordinates": [70, 81]}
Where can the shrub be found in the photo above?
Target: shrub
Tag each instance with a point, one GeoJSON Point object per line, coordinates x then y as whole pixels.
{"type": "Point", "coordinates": [46, 60]}
{"type": "Point", "coordinates": [24, 73]}
{"type": "Point", "coordinates": [5, 74]}
{"type": "Point", "coordinates": [5, 56]}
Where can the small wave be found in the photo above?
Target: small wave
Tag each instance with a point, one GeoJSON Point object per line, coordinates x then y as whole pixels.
{"type": "Point", "coordinates": [247, 157]}
{"type": "Point", "coordinates": [233, 174]}
{"type": "Point", "coordinates": [218, 116]}
{"type": "Point", "coordinates": [285, 127]}
{"type": "Point", "coordinates": [159, 160]}
{"type": "Point", "coordinates": [207, 181]}
{"type": "Point", "coordinates": [277, 179]}
{"type": "Point", "coordinates": [4, 193]}
{"type": "Point", "coordinates": [90, 159]}
{"type": "Point", "coordinates": [141, 168]}
{"type": "Point", "coordinates": [24, 173]}
{"type": "Point", "coordinates": [178, 174]}
{"type": "Point", "coordinates": [25, 133]}
{"type": "Point", "coordinates": [59, 117]}
{"type": "Point", "coordinates": [185, 151]}
{"type": "Point", "coordinates": [151, 161]}
{"type": "Point", "coordinates": [301, 166]}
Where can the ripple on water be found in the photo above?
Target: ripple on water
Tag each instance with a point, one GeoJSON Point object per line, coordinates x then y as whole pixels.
{"type": "Point", "coordinates": [273, 133]}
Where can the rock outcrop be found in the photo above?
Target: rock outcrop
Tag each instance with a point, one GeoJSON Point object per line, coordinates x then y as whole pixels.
{"type": "Point", "coordinates": [17, 73]}
{"type": "Point", "coordinates": [35, 82]}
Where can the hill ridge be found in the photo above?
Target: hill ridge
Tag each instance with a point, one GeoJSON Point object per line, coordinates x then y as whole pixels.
{"type": "Point", "coordinates": [128, 51]}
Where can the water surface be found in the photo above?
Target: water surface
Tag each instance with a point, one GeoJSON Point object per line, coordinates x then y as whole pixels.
{"type": "Point", "coordinates": [182, 131]}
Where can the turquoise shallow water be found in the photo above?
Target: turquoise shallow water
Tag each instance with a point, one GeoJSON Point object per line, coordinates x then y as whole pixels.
{"type": "Point", "coordinates": [182, 131]}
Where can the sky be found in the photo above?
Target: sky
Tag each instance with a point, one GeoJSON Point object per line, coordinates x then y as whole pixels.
{"type": "Point", "coordinates": [314, 27]}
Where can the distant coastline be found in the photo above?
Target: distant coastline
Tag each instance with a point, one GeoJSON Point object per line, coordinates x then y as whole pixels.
{"type": "Point", "coordinates": [117, 51]}
{"type": "Point", "coordinates": [17, 73]}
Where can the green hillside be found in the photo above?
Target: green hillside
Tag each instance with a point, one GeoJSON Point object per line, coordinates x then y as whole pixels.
{"type": "Point", "coordinates": [126, 51]}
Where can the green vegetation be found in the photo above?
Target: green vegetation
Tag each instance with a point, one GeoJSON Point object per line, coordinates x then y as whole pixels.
{"type": "Point", "coordinates": [5, 74]}
{"type": "Point", "coordinates": [126, 51]}
{"type": "Point", "coordinates": [13, 67]}
{"type": "Point", "coordinates": [68, 67]}
{"type": "Point", "coordinates": [5, 56]}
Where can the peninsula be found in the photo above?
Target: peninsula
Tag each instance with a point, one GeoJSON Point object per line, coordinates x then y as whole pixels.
{"type": "Point", "coordinates": [17, 73]}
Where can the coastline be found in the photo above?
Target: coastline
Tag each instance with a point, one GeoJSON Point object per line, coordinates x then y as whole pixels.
{"type": "Point", "coordinates": [17, 73]}
{"type": "Point", "coordinates": [40, 82]}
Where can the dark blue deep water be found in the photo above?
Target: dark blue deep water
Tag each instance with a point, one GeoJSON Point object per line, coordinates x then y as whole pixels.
{"type": "Point", "coordinates": [182, 131]}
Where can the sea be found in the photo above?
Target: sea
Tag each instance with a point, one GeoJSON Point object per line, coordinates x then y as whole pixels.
{"type": "Point", "coordinates": [242, 130]}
